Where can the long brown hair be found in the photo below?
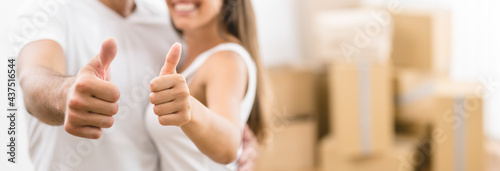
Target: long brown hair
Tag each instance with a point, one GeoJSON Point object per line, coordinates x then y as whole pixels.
{"type": "Point", "coordinates": [237, 18]}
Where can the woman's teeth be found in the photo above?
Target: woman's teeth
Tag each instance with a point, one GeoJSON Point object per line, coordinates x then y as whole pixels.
{"type": "Point", "coordinates": [184, 7]}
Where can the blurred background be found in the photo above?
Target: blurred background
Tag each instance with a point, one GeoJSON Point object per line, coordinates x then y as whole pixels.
{"type": "Point", "coordinates": [372, 84]}
{"type": "Point", "coordinates": [382, 84]}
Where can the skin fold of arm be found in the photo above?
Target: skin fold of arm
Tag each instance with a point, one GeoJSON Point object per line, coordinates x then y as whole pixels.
{"type": "Point", "coordinates": [215, 128]}
{"type": "Point", "coordinates": [41, 70]}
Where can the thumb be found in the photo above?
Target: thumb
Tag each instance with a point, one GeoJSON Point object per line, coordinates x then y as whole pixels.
{"type": "Point", "coordinates": [101, 62]}
{"type": "Point", "coordinates": [108, 52]}
{"type": "Point", "coordinates": [173, 56]}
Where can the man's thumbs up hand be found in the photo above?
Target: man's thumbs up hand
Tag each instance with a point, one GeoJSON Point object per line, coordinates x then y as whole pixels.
{"type": "Point", "coordinates": [101, 62]}
{"type": "Point", "coordinates": [92, 99]}
{"type": "Point", "coordinates": [170, 93]}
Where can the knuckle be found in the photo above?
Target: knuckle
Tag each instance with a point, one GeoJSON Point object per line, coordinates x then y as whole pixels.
{"type": "Point", "coordinates": [69, 128]}
{"type": "Point", "coordinates": [153, 85]}
{"type": "Point", "coordinates": [185, 93]}
{"type": "Point", "coordinates": [75, 102]}
{"type": "Point", "coordinates": [163, 121]}
{"type": "Point", "coordinates": [184, 118]}
{"type": "Point", "coordinates": [152, 98]}
{"type": "Point", "coordinates": [71, 117]}
{"type": "Point", "coordinates": [81, 85]}
{"type": "Point", "coordinates": [182, 93]}
{"type": "Point", "coordinates": [187, 106]}
{"type": "Point", "coordinates": [108, 122]}
{"type": "Point", "coordinates": [115, 94]}
{"type": "Point", "coordinates": [156, 109]}
{"type": "Point", "coordinates": [114, 108]}
{"type": "Point", "coordinates": [95, 134]}
{"type": "Point", "coordinates": [180, 79]}
{"type": "Point", "coordinates": [188, 117]}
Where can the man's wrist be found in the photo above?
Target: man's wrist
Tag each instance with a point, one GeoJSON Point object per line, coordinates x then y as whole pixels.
{"type": "Point", "coordinates": [63, 93]}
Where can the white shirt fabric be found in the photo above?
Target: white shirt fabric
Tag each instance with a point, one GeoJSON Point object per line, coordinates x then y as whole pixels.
{"type": "Point", "coordinates": [143, 38]}
{"type": "Point", "coordinates": [177, 151]}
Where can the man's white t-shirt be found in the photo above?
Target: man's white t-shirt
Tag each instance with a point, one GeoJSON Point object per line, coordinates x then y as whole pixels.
{"type": "Point", "coordinates": [80, 26]}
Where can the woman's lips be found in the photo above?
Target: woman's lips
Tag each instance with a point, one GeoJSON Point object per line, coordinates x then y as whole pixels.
{"type": "Point", "coordinates": [184, 7]}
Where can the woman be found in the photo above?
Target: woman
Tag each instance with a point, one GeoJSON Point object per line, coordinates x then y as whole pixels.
{"type": "Point", "coordinates": [217, 92]}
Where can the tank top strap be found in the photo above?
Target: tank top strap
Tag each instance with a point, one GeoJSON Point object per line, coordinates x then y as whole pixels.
{"type": "Point", "coordinates": [203, 57]}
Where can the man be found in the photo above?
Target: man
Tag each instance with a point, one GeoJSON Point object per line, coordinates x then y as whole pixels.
{"type": "Point", "coordinates": [87, 103]}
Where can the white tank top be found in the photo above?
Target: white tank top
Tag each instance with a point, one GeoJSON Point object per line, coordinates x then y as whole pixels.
{"type": "Point", "coordinates": [177, 151]}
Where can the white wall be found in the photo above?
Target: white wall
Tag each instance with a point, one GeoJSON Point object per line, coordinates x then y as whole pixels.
{"type": "Point", "coordinates": [476, 53]}
{"type": "Point", "coordinates": [277, 24]}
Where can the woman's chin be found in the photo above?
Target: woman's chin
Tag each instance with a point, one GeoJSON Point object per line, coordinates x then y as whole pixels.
{"type": "Point", "coordinates": [183, 26]}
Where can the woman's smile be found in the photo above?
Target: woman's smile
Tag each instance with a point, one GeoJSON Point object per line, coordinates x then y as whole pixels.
{"type": "Point", "coordinates": [185, 8]}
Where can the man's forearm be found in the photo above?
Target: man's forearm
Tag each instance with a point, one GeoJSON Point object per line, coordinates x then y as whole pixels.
{"type": "Point", "coordinates": [45, 93]}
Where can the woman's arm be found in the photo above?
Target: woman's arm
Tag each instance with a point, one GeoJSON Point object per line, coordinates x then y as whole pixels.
{"type": "Point", "coordinates": [219, 122]}
{"type": "Point", "coordinates": [215, 129]}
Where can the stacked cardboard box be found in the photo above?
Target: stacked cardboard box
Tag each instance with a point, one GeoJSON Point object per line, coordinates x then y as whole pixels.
{"type": "Point", "coordinates": [401, 157]}
{"type": "Point", "coordinates": [452, 110]}
{"type": "Point", "coordinates": [295, 87]}
{"type": "Point", "coordinates": [291, 146]}
{"type": "Point", "coordinates": [307, 11]}
{"type": "Point", "coordinates": [360, 95]}
{"type": "Point", "coordinates": [293, 126]}
{"type": "Point", "coordinates": [442, 119]}
{"type": "Point", "coordinates": [414, 101]}
{"type": "Point", "coordinates": [457, 128]}
{"type": "Point", "coordinates": [352, 34]}
{"type": "Point", "coordinates": [300, 88]}
{"type": "Point", "coordinates": [422, 40]}
{"type": "Point", "coordinates": [432, 106]}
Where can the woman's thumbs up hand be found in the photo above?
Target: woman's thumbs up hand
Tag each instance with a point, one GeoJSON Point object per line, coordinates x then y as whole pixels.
{"type": "Point", "coordinates": [170, 93]}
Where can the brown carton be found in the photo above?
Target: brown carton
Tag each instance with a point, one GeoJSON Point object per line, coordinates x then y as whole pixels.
{"type": "Point", "coordinates": [399, 158]}
{"type": "Point", "coordinates": [422, 40]}
{"type": "Point", "coordinates": [457, 136]}
{"type": "Point", "coordinates": [295, 88]}
{"type": "Point", "coordinates": [291, 146]}
{"type": "Point", "coordinates": [414, 92]}
{"type": "Point", "coordinates": [361, 100]}
{"type": "Point", "coordinates": [352, 34]}
{"type": "Point", "coordinates": [308, 9]}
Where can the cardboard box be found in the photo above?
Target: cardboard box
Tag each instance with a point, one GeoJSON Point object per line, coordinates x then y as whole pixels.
{"type": "Point", "coordinates": [410, 153]}
{"type": "Point", "coordinates": [306, 12]}
{"type": "Point", "coordinates": [362, 107]}
{"type": "Point", "coordinates": [414, 92]}
{"type": "Point", "coordinates": [422, 40]}
{"type": "Point", "coordinates": [351, 34]}
{"type": "Point", "coordinates": [291, 146]}
{"type": "Point", "coordinates": [295, 87]}
{"type": "Point", "coordinates": [398, 158]}
{"type": "Point", "coordinates": [458, 128]}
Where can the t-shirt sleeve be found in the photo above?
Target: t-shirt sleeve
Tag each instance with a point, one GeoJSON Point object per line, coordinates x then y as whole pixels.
{"type": "Point", "coordinates": [36, 22]}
